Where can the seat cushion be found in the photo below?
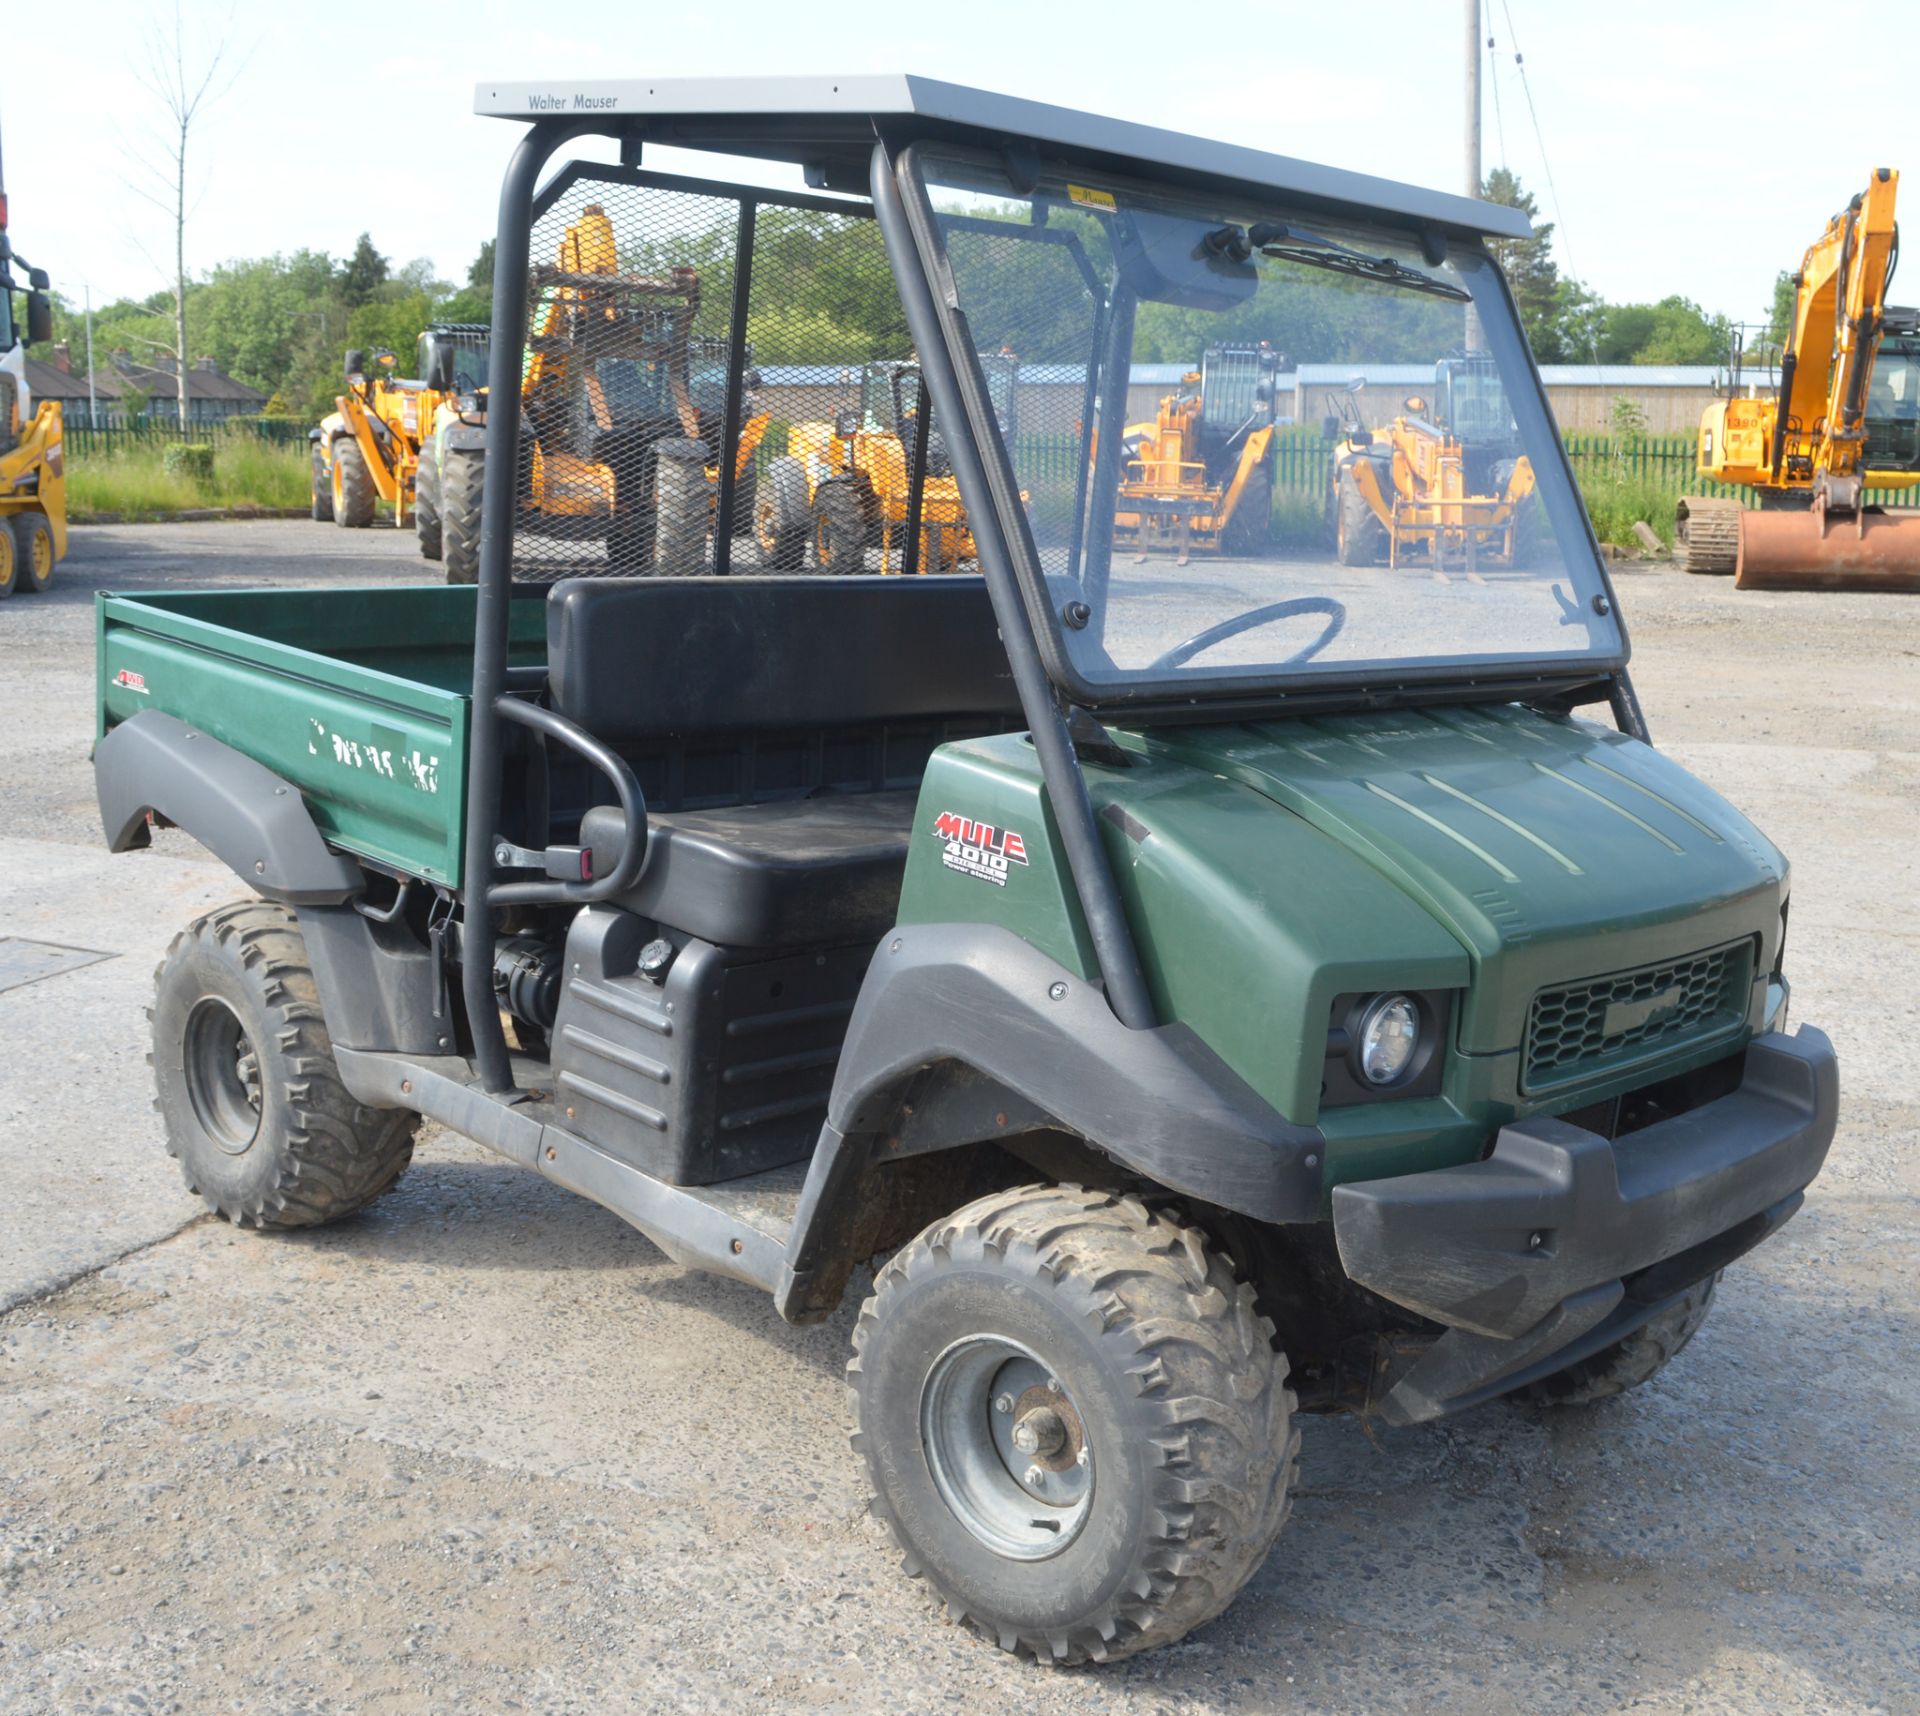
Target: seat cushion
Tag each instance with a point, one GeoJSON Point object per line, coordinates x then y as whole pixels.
{"type": "Point", "coordinates": [788, 874]}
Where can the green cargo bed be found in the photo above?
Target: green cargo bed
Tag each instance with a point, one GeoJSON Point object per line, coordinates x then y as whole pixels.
{"type": "Point", "coordinates": [358, 698]}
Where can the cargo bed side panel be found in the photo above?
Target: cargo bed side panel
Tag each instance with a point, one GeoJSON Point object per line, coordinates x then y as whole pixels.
{"type": "Point", "coordinates": [379, 759]}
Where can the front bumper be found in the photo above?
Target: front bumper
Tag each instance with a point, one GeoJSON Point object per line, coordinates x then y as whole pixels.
{"type": "Point", "coordinates": [1561, 1241]}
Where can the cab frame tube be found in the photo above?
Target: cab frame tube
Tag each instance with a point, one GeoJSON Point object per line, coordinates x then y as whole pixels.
{"type": "Point", "coordinates": [493, 602]}
{"type": "Point", "coordinates": [1099, 896]}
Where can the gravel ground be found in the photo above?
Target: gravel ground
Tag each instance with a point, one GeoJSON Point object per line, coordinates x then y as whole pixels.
{"type": "Point", "coordinates": [483, 1448]}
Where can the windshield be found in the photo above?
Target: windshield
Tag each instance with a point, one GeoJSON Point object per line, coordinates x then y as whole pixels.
{"type": "Point", "coordinates": [1478, 409]}
{"type": "Point", "coordinates": [1196, 515]}
{"type": "Point", "coordinates": [470, 354]}
{"type": "Point", "coordinates": [470, 359]}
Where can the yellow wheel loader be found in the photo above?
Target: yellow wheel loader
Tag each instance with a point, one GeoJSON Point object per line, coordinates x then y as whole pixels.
{"type": "Point", "coordinates": [1844, 419]}
{"type": "Point", "coordinates": [621, 402]}
{"type": "Point", "coordinates": [33, 473]}
{"type": "Point", "coordinates": [367, 449]}
{"type": "Point", "coordinates": [847, 486]}
{"type": "Point", "coordinates": [1197, 478]}
{"type": "Point", "coordinates": [1442, 485]}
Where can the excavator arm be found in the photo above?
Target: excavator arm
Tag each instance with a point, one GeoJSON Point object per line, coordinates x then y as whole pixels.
{"type": "Point", "coordinates": [1805, 451]}
{"type": "Point", "coordinates": [1840, 302]}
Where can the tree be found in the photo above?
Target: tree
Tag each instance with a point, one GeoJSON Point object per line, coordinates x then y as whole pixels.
{"type": "Point", "coordinates": [364, 274]}
{"type": "Point", "coordinates": [252, 314]}
{"type": "Point", "coordinates": [1529, 267]}
{"type": "Point", "coordinates": [1784, 294]}
{"type": "Point", "coordinates": [1578, 317]}
{"type": "Point", "coordinates": [1675, 330]}
{"type": "Point", "coordinates": [480, 274]}
{"type": "Point", "coordinates": [183, 90]}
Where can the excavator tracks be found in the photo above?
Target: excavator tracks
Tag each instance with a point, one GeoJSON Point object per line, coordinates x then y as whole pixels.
{"type": "Point", "coordinates": [1706, 535]}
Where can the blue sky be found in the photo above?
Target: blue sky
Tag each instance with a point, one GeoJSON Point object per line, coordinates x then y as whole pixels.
{"type": "Point", "coordinates": [1679, 162]}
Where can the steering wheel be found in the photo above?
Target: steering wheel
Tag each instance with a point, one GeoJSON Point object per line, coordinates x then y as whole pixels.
{"type": "Point", "coordinates": [1252, 619]}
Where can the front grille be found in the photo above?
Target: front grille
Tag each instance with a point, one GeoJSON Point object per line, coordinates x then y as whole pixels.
{"type": "Point", "coordinates": [1602, 1024]}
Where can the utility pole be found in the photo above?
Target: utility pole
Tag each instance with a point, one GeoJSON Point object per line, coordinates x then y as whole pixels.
{"type": "Point", "coordinates": [93, 405]}
{"type": "Point", "coordinates": [1473, 337]}
{"type": "Point", "coordinates": [1473, 98]}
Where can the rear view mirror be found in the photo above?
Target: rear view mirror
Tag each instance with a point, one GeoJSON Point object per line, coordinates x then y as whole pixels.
{"type": "Point", "coordinates": [356, 365]}
{"type": "Point", "coordinates": [39, 279]}
{"type": "Point", "coordinates": [439, 374]}
{"type": "Point", "coordinates": [1170, 260]}
{"type": "Point", "coordinates": [39, 317]}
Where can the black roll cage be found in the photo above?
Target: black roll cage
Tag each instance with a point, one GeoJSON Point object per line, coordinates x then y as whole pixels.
{"type": "Point", "coordinates": [951, 371]}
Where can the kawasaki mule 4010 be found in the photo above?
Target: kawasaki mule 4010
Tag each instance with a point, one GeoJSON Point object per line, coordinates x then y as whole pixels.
{"type": "Point", "coordinates": [1202, 994]}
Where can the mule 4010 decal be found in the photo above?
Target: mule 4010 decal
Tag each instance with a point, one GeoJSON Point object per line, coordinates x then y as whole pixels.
{"type": "Point", "coordinates": [979, 849]}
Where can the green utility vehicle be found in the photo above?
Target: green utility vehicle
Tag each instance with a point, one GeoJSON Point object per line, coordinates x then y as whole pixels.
{"type": "Point", "coordinates": [1203, 994]}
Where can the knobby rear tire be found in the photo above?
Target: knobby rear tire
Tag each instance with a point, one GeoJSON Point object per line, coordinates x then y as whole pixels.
{"type": "Point", "coordinates": [235, 995]}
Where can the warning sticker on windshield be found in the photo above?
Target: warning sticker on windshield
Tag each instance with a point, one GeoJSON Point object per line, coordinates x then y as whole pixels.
{"type": "Point", "coordinates": [979, 849]}
{"type": "Point", "coordinates": [1088, 198]}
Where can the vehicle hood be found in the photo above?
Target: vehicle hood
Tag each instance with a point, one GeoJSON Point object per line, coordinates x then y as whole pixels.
{"type": "Point", "coordinates": [1552, 848]}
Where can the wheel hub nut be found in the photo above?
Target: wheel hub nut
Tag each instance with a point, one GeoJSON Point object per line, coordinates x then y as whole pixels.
{"type": "Point", "coordinates": [1040, 1431]}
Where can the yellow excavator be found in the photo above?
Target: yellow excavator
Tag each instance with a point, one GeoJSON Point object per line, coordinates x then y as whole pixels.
{"type": "Point", "coordinates": [1197, 478]}
{"type": "Point", "coordinates": [33, 479]}
{"type": "Point", "coordinates": [1443, 484]}
{"type": "Point", "coordinates": [1845, 419]}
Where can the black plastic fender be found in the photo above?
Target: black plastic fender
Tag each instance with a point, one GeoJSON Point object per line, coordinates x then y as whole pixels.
{"type": "Point", "coordinates": [242, 812]}
{"type": "Point", "coordinates": [1158, 1101]}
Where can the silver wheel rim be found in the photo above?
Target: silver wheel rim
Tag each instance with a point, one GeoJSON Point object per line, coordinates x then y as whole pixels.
{"type": "Point", "coordinates": [983, 1398]}
{"type": "Point", "coordinates": [223, 1075]}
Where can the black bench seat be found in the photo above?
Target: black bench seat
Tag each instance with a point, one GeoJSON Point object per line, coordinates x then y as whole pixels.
{"type": "Point", "coordinates": [779, 727]}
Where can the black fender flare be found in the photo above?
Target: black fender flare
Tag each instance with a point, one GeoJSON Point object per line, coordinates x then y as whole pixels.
{"type": "Point", "coordinates": [241, 811]}
{"type": "Point", "coordinates": [1159, 1101]}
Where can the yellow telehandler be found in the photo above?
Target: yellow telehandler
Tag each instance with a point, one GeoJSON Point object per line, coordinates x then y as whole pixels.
{"type": "Point", "coordinates": [33, 475]}
{"type": "Point", "coordinates": [847, 486]}
{"type": "Point", "coordinates": [367, 449]}
{"type": "Point", "coordinates": [1443, 484]}
{"type": "Point", "coordinates": [1197, 478]}
{"type": "Point", "coordinates": [615, 389]}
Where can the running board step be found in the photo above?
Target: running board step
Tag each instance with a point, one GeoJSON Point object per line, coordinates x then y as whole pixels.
{"type": "Point", "coordinates": [738, 1228]}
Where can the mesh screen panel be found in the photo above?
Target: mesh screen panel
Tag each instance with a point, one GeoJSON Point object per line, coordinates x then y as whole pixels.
{"type": "Point", "coordinates": [715, 380]}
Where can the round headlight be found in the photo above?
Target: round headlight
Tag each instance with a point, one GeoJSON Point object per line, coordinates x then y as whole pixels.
{"type": "Point", "coordinates": [1389, 1034]}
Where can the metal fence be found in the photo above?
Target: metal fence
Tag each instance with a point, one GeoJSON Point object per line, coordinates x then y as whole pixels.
{"type": "Point", "coordinates": [85, 441]}
{"type": "Point", "coordinates": [1302, 462]}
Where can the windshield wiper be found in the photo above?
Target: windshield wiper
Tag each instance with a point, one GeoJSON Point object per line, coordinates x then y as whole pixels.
{"type": "Point", "coordinates": [1295, 244]}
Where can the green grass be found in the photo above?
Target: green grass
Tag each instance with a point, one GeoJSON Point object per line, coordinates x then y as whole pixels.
{"type": "Point", "coordinates": [247, 472]}
{"type": "Point", "coordinates": [1299, 520]}
{"type": "Point", "coordinates": [1616, 500]}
